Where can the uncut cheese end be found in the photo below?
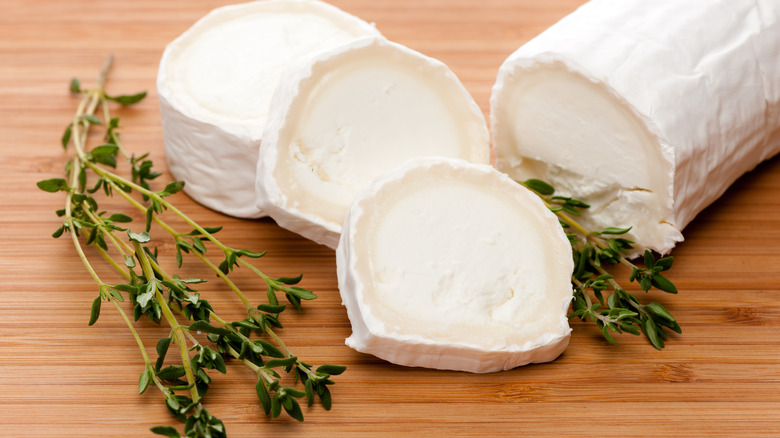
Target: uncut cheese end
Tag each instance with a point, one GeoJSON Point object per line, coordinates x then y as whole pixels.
{"type": "Point", "coordinates": [452, 265]}
{"type": "Point", "coordinates": [215, 83]}
{"type": "Point", "coordinates": [648, 111]}
{"type": "Point", "coordinates": [553, 123]}
{"type": "Point", "coordinates": [347, 115]}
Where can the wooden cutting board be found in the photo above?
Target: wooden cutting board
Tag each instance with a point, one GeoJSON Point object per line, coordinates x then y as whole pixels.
{"type": "Point", "coordinates": [59, 377]}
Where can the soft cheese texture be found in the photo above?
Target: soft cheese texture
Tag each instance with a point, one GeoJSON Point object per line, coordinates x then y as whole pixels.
{"type": "Point", "coordinates": [452, 265]}
{"type": "Point", "coordinates": [646, 110]}
{"type": "Point", "coordinates": [215, 84]}
{"type": "Point", "coordinates": [349, 114]}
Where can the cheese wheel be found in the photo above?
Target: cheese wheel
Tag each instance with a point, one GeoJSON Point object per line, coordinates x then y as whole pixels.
{"type": "Point", "coordinates": [647, 110]}
{"type": "Point", "coordinates": [346, 115]}
{"type": "Point", "coordinates": [215, 83]}
{"type": "Point", "coordinates": [452, 265]}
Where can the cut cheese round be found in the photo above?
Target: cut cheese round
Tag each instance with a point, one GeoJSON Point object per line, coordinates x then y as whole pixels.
{"type": "Point", "coordinates": [349, 114]}
{"type": "Point", "coordinates": [215, 84]}
{"type": "Point", "coordinates": [648, 111]}
{"type": "Point", "coordinates": [452, 265]}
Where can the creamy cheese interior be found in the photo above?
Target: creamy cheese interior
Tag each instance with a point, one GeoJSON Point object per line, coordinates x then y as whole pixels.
{"type": "Point", "coordinates": [227, 71]}
{"type": "Point", "coordinates": [364, 112]}
{"type": "Point", "coordinates": [457, 256]}
{"type": "Point", "coordinates": [556, 125]}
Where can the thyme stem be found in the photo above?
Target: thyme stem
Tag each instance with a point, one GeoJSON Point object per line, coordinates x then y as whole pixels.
{"type": "Point", "coordinates": [179, 339]}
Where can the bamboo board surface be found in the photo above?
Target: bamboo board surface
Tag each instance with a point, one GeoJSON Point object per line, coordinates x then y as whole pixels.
{"type": "Point", "coordinates": [59, 377]}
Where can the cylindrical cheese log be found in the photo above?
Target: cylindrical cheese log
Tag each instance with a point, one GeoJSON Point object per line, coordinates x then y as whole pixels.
{"type": "Point", "coordinates": [647, 110]}
{"type": "Point", "coordinates": [215, 84]}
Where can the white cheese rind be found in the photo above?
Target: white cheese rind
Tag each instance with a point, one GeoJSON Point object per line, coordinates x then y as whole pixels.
{"type": "Point", "coordinates": [677, 99]}
{"type": "Point", "coordinates": [215, 83]}
{"type": "Point", "coordinates": [345, 116]}
{"type": "Point", "coordinates": [452, 265]}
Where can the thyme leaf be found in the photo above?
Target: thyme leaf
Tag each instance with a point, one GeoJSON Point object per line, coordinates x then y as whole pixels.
{"type": "Point", "coordinates": [598, 297]}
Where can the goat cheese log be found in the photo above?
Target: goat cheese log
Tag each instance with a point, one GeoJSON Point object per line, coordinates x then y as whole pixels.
{"type": "Point", "coordinates": [647, 110]}
{"type": "Point", "coordinates": [215, 83]}
{"type": "Point", "coordinates": [344, 116]}
{"type": "Point", "coordinates": [448, 264]}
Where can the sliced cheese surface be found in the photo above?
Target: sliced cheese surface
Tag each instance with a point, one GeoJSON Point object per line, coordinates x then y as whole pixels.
{"type": "Point", "coordinates": [452, 265]}
{"type": "Point", "coordinates": [648, 111]}
{"type": "Point", "coordinates": [215, 85]}
{"type": "Point", "coordinates": [348, 115]}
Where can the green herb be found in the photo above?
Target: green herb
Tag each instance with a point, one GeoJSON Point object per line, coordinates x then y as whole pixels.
{"type": "Point", "coordinates": [614, 309]}
{"type": "Point", "coordinates": [203, 340]}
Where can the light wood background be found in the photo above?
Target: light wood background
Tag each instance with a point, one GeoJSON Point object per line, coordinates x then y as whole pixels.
{"type": "Point", "coordinates": [61, 378]}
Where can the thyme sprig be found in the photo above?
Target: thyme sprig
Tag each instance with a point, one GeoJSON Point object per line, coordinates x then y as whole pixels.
{"type": "Point", "coordinates": [162, 296]}
{"type": "Point", "coordinates": [611, 307]}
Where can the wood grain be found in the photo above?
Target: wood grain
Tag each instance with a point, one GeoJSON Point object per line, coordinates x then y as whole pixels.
{"type": "Point", "coordinates": [58, 377]}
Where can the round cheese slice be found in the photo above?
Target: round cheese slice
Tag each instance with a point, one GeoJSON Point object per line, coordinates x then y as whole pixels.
{"type": "Point", "coordinates": [215, 83]}
{"type": "Point", "coordinates": [647, 111]}
{"type": "Point", "coordinates": [452, 265]}
{"type": "Point", "coordinates": [349, 114]}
